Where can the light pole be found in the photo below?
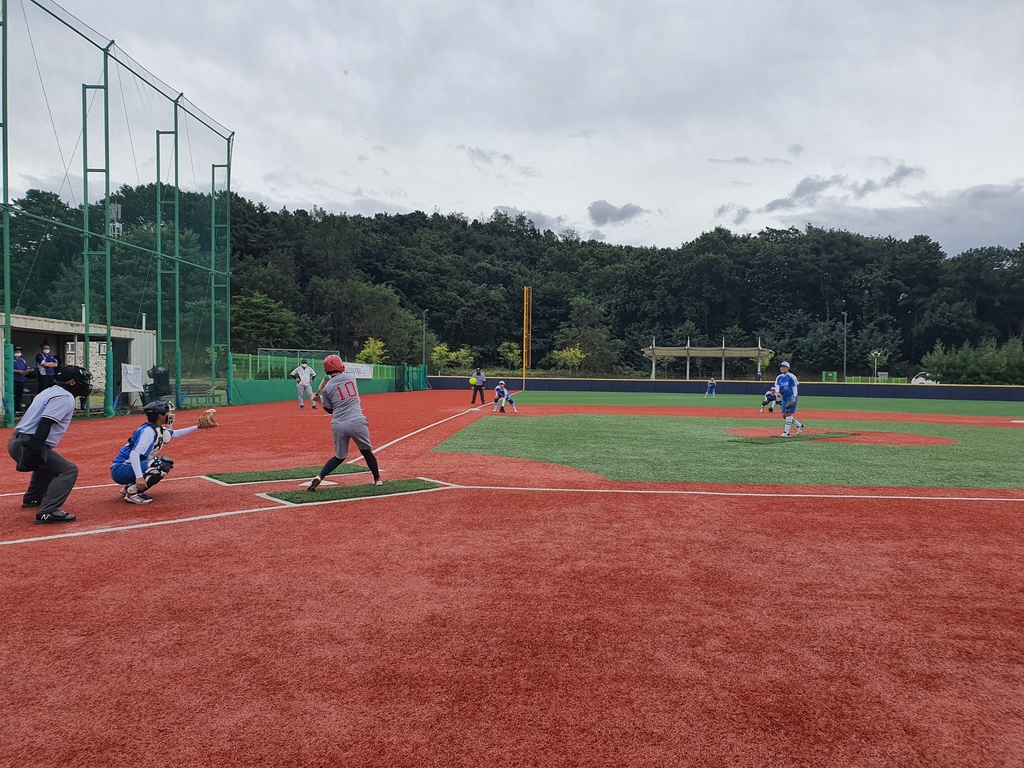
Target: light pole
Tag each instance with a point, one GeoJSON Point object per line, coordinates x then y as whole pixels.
{"type": "Point", "coordinates": [844, 347]}
{"type": "Point", "coordinates": [876, 354]}
{"type": "Point", "coordinates": [425, 337]}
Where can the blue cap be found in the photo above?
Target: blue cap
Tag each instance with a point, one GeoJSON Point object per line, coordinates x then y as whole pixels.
{"type": "Point", "coordinates": [784, 364]}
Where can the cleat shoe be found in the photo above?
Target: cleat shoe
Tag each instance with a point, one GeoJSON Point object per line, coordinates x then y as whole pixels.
{"type": "Point", "coordinates": [799, 430]}
{"type": "Point", "coordinates": [784, 434]}
{"type": "Point", "coordinates": [60, 516]}
{"type": "Point", "coordinates": [30, 504]}
{"type": "Point", "coordinates": [302, 407]}
{"type": "Point", "coordinates": [378, 481]}
{"type": "Point", "coordinates": [124, 491]}
{"type": "Point", "coordinates": [314, 483]}
{"type": "Point", "coordinates": [314, 406]}
{"type": "Point", "coordinates": [138, 498]}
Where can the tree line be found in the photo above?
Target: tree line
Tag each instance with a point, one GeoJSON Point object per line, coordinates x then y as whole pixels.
{"type": "Point", "coordinates": [315, 279]}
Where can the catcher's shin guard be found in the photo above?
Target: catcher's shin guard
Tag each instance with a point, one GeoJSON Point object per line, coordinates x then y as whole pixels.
{"type": "Point", "coordinates": [158, 469]}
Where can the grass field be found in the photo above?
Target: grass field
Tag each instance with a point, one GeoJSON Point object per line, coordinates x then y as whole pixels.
{"type": "Point", "coordinates": [882, 404]}
{"type": "Point", "coordinates": [268, 475]}
{"type": "Point", "coordinates": [338, 493]}
{"type": "Point", "coordinates": [680, 449]}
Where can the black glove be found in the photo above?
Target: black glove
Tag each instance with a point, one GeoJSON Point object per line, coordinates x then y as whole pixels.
{"type": "Point", "coordinates": [31, 459]}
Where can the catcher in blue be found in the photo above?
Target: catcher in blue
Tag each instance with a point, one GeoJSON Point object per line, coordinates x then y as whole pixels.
{"type": "Point", "coordinates": [501, 396]}
{"type": "Point", "coordinates": [340, 397]}
{"type": "Point", "coordinates": [138, 467]}
{"type": "Point", "coordinates": [711, 389]}
{"type": "Point", "coordinates": [786, 388]}
{"type": "Point", "coordinates": [769, 402]}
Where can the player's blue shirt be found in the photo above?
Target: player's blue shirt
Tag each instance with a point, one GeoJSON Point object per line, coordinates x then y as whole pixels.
{"type": "Point", "coordinates": [711, 386]}
{"type": "Point", "coordinates": [500, 392]}
{"type": "Point", "coordinates": [20, 369]}
{"type": "Point", "coordinates": [770, 395]}
{"type": "Point", "coordinates": [787, 385]}
{"type": "Point", "coordinates": [143, 438]}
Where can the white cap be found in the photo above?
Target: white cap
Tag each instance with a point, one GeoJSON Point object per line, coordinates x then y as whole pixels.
{"type": "Point", "coordinates": [784, 364]}
{"type": "Point", "coordinates": [501, 383]}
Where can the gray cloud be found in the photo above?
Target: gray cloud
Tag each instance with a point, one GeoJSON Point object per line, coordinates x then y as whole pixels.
{"type": "Point", "coordinates": [811, 188]}
{"type": "Point", "coordinates": [988, 214]}
{"type": "Point", "coordinates": [738, 213]}
{"type": "Point", "coordinates": [743, 160]}
{"type": "Point", "coordinates": [540, 220]}
{"type": "Point", "coordinates": [795, 150]}
{"type": "Point", "coordinates": [602, 212]}
{"type": "Point", "coordinates": [478, 157]}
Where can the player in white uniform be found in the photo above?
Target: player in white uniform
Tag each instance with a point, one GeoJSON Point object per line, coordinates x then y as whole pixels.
{"type": "Point", "coordinates": [786, 386]}
{"type": "Point", "coordinates": [304, 376]}
{"type": "Point", "coordinates": [340, 397]}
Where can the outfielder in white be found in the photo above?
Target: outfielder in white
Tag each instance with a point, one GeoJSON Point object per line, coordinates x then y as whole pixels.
{"type": "Point", "coordinates": [304, 376]}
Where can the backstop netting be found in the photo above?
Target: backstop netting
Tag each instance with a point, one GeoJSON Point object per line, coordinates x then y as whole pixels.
{"type": "Point", "coordinates": [116, 210]}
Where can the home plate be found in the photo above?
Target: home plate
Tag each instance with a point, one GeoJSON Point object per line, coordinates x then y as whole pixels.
{"type": "Point", "coordinates": [322, 483]}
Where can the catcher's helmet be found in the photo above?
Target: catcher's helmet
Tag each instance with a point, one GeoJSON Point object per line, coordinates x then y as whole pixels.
{"type": "Point", "coordinates": [82, 379]}
{"type": "Point", "coordinates": [159, 408]}
{"type": "Point", "coordinates": [333, 364]}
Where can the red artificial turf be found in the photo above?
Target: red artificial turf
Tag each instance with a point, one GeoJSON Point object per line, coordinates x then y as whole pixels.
{"type": "Point", "coordinates": [475, 627]}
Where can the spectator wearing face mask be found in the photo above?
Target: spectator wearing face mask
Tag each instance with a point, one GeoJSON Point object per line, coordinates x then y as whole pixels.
{"type": "Point", "coordinates": [47, 365]}
{"type": "Point", "coordinates": [20, 369]}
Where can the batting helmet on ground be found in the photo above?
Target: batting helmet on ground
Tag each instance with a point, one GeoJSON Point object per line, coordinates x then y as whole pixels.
{"type": "Point", "coordinates": [333, 364]}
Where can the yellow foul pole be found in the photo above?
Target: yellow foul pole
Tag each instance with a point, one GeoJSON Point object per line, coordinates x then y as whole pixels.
{"type": "Point", "coordinates": [527, 330]}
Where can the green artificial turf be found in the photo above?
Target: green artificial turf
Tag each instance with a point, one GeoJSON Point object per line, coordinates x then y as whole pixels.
{"type": "Point", "coordinates": [269, 475]}
{"type": "Point", "coordinates": [689, 450]}
{"type": "Point", "coordinates": [807, 402]}
{"type": "Point", "coordinates": [338, 492]}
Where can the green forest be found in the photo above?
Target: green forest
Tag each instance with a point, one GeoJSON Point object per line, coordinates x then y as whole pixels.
{"type": "Point", "coordinates": [313, 279]}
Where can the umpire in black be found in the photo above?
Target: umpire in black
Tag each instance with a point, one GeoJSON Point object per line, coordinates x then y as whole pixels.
{"type": "Point", "coordinates": [34, 442]}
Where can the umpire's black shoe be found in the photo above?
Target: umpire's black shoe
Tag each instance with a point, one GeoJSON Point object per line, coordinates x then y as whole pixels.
{"type": "Point", "coordinates": [30, 504]}
{"type": "Point", "coordinates": [60, 516]}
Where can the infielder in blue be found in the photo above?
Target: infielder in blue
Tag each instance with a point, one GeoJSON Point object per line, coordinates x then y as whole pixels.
{"type": "Point", "coordinates": [502, 396]}
{"type": "Point", "coordinates": [786, 386]}
{"type": "Point", "coordinates": [711, 389]}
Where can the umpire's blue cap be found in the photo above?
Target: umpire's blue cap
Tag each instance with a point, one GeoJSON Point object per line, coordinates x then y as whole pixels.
{"type": "Point", "coordinates": [784, 364]}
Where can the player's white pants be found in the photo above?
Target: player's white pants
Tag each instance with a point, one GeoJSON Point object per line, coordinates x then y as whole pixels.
{"type": "Point", "coordinates": [304, 389]}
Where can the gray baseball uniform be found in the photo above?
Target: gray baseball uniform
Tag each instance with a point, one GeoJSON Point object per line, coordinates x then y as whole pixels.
{"type": "Point", "coordinates": [348, 422]}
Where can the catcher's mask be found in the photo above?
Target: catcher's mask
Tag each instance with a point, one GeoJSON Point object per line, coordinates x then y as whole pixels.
{"type": "Point", "coordinates": [333, 364]}
{"type": "Point", "coordinates": [158, 408]}
{"type": "Point", "coordinates": [75, 380]}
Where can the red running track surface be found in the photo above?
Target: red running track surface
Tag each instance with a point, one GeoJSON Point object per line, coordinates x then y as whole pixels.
{"type": "Point", "coordinates": [508, 627]}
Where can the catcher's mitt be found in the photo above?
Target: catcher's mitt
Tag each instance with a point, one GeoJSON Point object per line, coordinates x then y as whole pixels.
{"type": "Point", "coordinates": [206, 419]}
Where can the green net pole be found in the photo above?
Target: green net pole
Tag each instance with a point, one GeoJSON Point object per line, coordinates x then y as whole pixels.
{"type": "Point", "coordinates": [108, 390]}
{"type": "Point", "coordinates": [86, 312]}
{"type": "Point", "coordinates": [227, 263]}
{"type": "Point", "coordinates": [213, 277]}
{"type": "Point", "coordinates": [8, 345]}
{"type": "Point", "coordinates": [177, 264]}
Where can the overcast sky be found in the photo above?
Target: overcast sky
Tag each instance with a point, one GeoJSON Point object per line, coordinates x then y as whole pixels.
{"type": "Point", "coordinates": [640, 122]}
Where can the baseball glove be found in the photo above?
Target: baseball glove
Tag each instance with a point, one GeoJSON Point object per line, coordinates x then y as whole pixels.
{"type": "Point", "coordinates": [206, 419]}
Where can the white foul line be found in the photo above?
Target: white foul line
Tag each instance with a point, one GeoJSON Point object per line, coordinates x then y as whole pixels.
{"type": "Point", "coordinates": [424, 429]}
{"type": "Point", "coordinates": [754, 494]}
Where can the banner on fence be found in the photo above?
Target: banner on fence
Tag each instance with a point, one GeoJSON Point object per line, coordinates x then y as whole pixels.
{"type": "Point", "coordinates": [360, 370]}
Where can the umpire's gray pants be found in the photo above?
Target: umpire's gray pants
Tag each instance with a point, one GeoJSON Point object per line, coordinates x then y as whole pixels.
{"type": "Point", "coordinates": [50, 485]}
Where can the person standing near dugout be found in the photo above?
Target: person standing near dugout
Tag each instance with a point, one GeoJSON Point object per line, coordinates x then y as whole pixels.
{"type": "Point", "coordinates": [33, 445]}
{"type": "Point", "coordinates": [20, 371]}
{"type": "Point", "coordinates": [304, 376]}
{"type": "Point", "coordinates": [47, 365]}
{"type": "Point", "coordinates": [481, 383]}
{"type": "Point", "coordinates": [339, 396]}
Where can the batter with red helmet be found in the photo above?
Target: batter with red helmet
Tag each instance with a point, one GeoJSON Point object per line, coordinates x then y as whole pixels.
{"type": "Point", "coordinates": [339, 396]}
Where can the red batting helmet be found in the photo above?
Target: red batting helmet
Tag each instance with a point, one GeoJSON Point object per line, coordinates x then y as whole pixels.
{"type": "Point", "coordinates": [333, 364]}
